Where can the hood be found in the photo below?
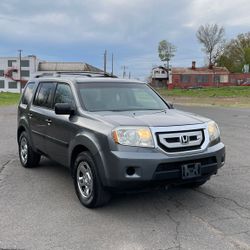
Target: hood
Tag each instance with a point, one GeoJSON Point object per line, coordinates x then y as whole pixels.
{"type": "Point", "coordinates": [170, 117]}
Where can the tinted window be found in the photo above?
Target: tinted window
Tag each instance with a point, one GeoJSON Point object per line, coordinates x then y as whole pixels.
{"type": "Point", "coordinates": [63, 94]}
{"type": "Point", "coordinates": [27, 95]}
{"type": "Point", "coordinates": [119, 97]}
{"type": "Point", "coordinates": [44, 94]}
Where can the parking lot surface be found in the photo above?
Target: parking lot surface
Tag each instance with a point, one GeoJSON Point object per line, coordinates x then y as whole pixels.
{"type": "Point", "coordinates": [39, 208]}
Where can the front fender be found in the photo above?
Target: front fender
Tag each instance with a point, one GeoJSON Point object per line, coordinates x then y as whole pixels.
{"type": "Point", "coordinates": [93, 145]}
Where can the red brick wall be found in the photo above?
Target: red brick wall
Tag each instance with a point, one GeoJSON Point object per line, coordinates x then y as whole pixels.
{"type": "Point", "coordinates": [237, 78]}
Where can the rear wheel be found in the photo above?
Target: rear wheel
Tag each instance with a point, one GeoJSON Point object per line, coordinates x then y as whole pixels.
{"type": "Point", "coordinates": [28, 157]}
{"type": "Point", "coordinates": [87, 183]}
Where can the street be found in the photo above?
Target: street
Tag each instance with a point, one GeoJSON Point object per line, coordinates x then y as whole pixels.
{"type": "Point", "coordinates": [39, 208]}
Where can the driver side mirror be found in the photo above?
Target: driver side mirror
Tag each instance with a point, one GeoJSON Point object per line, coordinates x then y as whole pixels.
{"type": "Point", "coordinates": [64, 109]}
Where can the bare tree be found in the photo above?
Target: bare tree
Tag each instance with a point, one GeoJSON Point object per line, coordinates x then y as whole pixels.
{"type": "Point", "coordinates": [166, 51]}
{"type": "Point", "coordinates": [212, 39]}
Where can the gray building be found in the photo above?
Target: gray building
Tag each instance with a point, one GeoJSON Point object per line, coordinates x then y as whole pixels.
{"type": "Point", "coordinates": [31, 65]}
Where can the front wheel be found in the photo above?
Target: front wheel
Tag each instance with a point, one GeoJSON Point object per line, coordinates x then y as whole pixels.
{"type": "Point", "coordinates": [28, 157]}
{"type": "Point", "coordinates": [87, 183]}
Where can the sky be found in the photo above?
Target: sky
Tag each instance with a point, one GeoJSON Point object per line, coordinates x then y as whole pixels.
{"type": "Point", "coordinates": [81, 30]}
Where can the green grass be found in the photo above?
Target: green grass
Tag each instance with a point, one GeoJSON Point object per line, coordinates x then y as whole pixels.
{"type": "Point", "coordinates": [7, 98]}
{"type": "Point", "coordinates": [236, 91]}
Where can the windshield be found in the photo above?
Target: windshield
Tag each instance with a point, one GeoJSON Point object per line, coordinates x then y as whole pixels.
{"type": "Point", "coordinates": [119, 97]}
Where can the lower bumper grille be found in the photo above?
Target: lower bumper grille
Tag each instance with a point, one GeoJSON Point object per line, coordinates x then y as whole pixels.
{"type": "Point", "coordinates": [172, 170]}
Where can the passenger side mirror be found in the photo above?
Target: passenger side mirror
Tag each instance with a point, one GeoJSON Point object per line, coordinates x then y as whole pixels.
{"type": "Point", "coordinates": [64, 109]}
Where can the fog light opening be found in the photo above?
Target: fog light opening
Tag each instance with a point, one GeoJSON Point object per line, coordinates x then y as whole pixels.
{"type": "Point", "coordinates": [130, 171]}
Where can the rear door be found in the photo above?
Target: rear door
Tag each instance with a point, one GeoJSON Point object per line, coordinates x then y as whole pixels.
{"type": "Point", "coordinates": [39, 113]}
{"type": "Point", "coordinates": [61, 127]}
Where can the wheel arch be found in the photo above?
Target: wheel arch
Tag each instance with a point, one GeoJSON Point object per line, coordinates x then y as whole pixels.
{"type": "Point", "coordinates": [85, 144]}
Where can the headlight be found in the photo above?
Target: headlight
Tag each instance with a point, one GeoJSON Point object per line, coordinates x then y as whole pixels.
{"type": "Point", "coordinates": [133, 136]}
{"type": "Point", "coordinates": [213, 131]}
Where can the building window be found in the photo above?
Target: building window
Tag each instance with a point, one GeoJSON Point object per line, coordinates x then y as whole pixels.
{"type": "Point", "coordinates": [10, 63]}
{"type": "Point", "coordinates": [1, 84]}
{"type": "Point", "coordinates": [12, 85]}
{"type": "Point", "coordinates": [1, 72]}
{"type": "Point", "coordinates": [25, 63]}
{"type": "Point", "coordinates": [201, 78]}
{"type": "Point", "coordinates": [217, 79]}
{"type": "Point", "coordinates": [25, 73]}
{"type": "Point", "coordinates": [185, 78]}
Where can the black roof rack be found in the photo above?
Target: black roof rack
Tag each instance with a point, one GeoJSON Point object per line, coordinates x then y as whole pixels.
{"type": "Point", "coordinates": [75, 73]}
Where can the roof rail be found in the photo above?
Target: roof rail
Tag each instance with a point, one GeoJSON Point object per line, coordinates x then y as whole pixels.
{"type": "Point", "coordinates": [74, 73]}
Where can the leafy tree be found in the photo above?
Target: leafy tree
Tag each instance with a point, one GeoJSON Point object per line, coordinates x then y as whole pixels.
{"type": "Point", "coordinates": [212, 39]}
{"type": "Point", "coordinates": [236, 53]}
{"type": "Point", "coordinates": [166, 51]}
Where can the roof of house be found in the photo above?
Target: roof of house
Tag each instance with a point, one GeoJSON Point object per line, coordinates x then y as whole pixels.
{"type": "Point", "coordinates": [66, 66]}
{"type": "Point", "coordinates": [160, 67]}
{"type": "Point", "coordinates": [202, 70]}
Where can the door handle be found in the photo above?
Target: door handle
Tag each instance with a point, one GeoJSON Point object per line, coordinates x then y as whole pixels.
{"type": "Point", "coordinates": [30, 115]}
{"type": "Point", "coordinates": [48, 121]}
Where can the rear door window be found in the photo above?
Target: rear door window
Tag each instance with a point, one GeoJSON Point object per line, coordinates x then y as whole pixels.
{"type": "Point", "coordinates": [44, 94]}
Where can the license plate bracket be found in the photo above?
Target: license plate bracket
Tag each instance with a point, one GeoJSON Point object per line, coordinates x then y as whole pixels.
{"type": "Point", "coordinates": [191, 170]}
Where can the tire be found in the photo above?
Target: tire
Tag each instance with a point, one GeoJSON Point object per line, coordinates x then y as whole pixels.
{"type": "Point", "coordinates": [87, 182]}
{"type": "Point", "coordinates": [28, 157]}
{"type": "Point", "coordinates": [194, 184]}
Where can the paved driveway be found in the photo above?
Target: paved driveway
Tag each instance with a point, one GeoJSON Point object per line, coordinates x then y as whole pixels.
{"type": "Point", "coordinates": [39, 209]}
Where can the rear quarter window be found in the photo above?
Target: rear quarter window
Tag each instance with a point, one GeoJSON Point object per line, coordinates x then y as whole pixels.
{"type": "Point", "coordinates": [28, 92]}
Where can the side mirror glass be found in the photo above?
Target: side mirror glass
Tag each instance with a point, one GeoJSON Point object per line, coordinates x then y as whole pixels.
{"type": "Point", "coordinates": [64, 109]}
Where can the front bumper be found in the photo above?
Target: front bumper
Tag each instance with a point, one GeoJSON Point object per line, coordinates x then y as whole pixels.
{"type": "Point", "coordinates": [155, 167]}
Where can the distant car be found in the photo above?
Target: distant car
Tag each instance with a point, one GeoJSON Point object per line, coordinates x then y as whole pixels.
{"type": "Point", "coordinates": [247, 83]}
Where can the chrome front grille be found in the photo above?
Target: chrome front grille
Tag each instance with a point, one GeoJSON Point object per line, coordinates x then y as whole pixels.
{"type": "Point", "coordinates": [181, 140]}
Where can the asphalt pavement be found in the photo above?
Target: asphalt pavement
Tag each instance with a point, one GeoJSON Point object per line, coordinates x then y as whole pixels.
{"type": "Point", "coordinates": [39, 208]}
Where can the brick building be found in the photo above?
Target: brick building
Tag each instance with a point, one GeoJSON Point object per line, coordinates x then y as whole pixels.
{"type": "Point", "coordinates": [199, 77]}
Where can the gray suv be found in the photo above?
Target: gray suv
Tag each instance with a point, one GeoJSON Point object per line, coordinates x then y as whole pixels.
{"type": "Point", "coordinates": [114, 135]}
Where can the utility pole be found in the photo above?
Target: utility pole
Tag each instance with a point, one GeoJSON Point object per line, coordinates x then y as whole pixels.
{"type": "Point", "coordinates": [20, 68]}
{"type": "Point", "coordinates": [124, 71]}
{"type": "Point", "coordinates": [129, 75]}
{"type": "Point", "coordinates": [112, 72]}
{"type": "Point", "coordinates": [105, 62]}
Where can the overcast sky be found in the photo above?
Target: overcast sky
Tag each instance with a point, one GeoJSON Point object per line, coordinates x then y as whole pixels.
{"type": "Point", "coordinates": [80, 30]}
